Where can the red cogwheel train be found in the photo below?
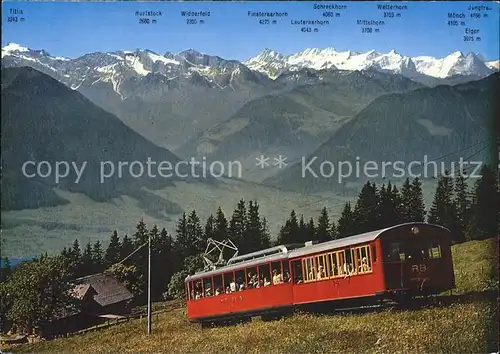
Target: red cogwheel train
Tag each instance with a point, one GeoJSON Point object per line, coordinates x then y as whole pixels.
{"type": "Point", "coordinates": [398, 262]}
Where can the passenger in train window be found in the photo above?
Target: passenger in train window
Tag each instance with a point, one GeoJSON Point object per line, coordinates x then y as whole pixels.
{"type": "Point", "coordinates": [287, 278]}
{"type": "Point", "coordinates": [266, 282]}
{"type": "Point", "coordinates": [298, 279]}
{"type": "Point", "coordinates": [253, 282]}
{"type": "Point", "coordinates": [364, 267]}
{"type": "Point", "coordinates": [208, 292]}
{"type": "Point", "coordinates": [276, 277]}
{"type": "Point", "coordinates": [232, 286]}
{"type": "Point", "coordinates": [217, 291]}
{"type": "Point", "coordinates": [240, 284]}
{"type": "Point", "coordinates": [312, 274]}
{"type": "Point", "coordinates": [228, 289]}
{"type": "Point", "coordinates": [321, 273]}
{"type": "Point", "coordinates": [348, 270]}
{"type": "Point", "coordinates": [197, 287]}
{"type": "Point", "coordinates": [333, 270]}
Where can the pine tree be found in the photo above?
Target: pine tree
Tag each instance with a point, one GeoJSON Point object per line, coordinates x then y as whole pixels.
{"type": "Point", "coordinates": [209, 231]}
{"type": "Point", "coordinates": [397, 203]}
{"type": "Point", "coordinates": [284, 234]}
{"type": "Point", "coordinates": [406, 197]}
{"type": "Point", "coordinates": [389, 206]}
{"type": "Point", "coordinates": [75, 259]}
{"type": "Point", "coordinates": [294, 228]}
{"type": "Point", "coordinates": [333, 231]}
{"type": "Point", "coordinates": [252, 233]}
{"type": "Point", "coordinates": [237, 225]}
{"type": "Point", "coordinates": [112, 255]}
{"type": "Point", "coordinates": [484, 223]}
{"type": "Point", "coordinates": [461, 206]}
{"type": "Point", "coordinates": [265, 236]}
{"type": "Point", "coordinates": [158, 265]}
{"type": "Point", "coordinates": [417, 205]}
{"type": "Point", "coordinates": [220, 228]}
{"type": "Point", "coordinates": [126, 248]}
{"type": "Point", "coordinates": [289, 233]}
{"type": "Point", "coordinates": [346, 226]}
{"type": "Point", "coordinates": [384, 207]}
{"type": "Point", "coordinates": [311, 231]}
{"type": "Point", "coordinates": [366, 209]}
{"type": "Point", "coordinates": [97, 258]}
{"type": "Point", "coordinates": [323, 228]}
{"type": "Point", "coordinates": [302, 230]}
{"type": "Point", "coordinates": [196, 232]}
{"type": "Point", "coordinates": [154, 235]}
{"type": "Point", "coordinates": [442, 210]}
{"type": "Point", "coordinates": [185, 244]}
{"type": "Point", "coordinates": [141, 234]}
{"type": "Point", "coordinates": [140, 259]}
{"type": "Point", "coordinates": [87, 261]}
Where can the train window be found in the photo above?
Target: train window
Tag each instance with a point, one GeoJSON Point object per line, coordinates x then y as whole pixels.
{"type": "Point", "coordinates": [435, 250]}
{"type": "Point", "coordinates": [252, 278]}
{"type": "Point", "coordinates": [333, 269]}
{"type": "Point", "coordinates": [364, 262]}
{"type": "Point", "coordinates": [321, 270]}
{"type": "Point", "coordinates": [207, 287]}
{"type": "Point", "coordinates": [286, 272]}
{"type": "Point", "coordinates": [357, 258]}
{"type": "Point", "coordinates": [341, 262]}
{"type": "Point", "coordinates": [277, 275]}
{"type": "Point", "coordinates": [348, 264]}
{"type": "Point", "coordinates": [265, 275]}
{"type": "Point", "coordinates": [310, 269]}
{"type": "Point", "coordinates": [240, 280]}
{"type": "Point", "coordinates": [219, 289]}
{"type": "Point", "coordinates": [198, 291]}
{"type": "Point", "coordinates": [297, 272]}
{"type": "Point", "coordinates": [229, 283]}
{"type": "Point", "coordinates": [396, 252]}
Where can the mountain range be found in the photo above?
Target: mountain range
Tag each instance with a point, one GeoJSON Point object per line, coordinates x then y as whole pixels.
{"type": "Point", "coordinates": [274, 64]}
{"type": "Point", "coordinates": [154, 93]}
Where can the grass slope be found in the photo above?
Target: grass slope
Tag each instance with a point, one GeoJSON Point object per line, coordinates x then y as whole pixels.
{"type": "Point", "coordinates": [468, 325]}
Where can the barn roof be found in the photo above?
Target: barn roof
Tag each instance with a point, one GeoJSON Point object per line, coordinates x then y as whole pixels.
{"type": "Point", "coordinates": [80, 290]}
{"type": "Point", "coordinates": [108, 290]}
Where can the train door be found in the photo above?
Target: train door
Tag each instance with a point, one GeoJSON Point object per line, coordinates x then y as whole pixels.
{"type": "Point", "coordinates": [394, 264]}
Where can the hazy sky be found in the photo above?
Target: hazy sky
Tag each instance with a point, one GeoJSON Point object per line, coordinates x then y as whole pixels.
{"type": "Point", "coordinates": [74, 28]}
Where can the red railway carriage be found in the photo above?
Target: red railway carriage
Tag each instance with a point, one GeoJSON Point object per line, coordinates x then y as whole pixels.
{"type": "Point", "coordinates": [407, 259]}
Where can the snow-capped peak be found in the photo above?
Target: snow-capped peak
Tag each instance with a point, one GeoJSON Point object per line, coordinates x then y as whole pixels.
{"type": "Point", "coordinates": [13, 47]}
{"type": "Point", "coordinates": [495, 64]}
{"type": "Point", "coordinates": [393, 62]}
{"type": "Point", "coordinates": [457, 54]}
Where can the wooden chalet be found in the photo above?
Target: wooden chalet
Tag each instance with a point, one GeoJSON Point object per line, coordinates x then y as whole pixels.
{"type": "Point", "coordinates": [102, 297]}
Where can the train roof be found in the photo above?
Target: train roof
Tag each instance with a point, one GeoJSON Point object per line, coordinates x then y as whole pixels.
{"type": "Point", "coordinates": [353, 240]}
{"type": "Point", "coordinates": [253, 259]}
{"type": "Point", "coordinates": [297, 250]}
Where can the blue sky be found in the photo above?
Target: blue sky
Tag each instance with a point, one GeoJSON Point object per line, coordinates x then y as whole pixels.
{"type": "Point", "coordinates": [75, 28]}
